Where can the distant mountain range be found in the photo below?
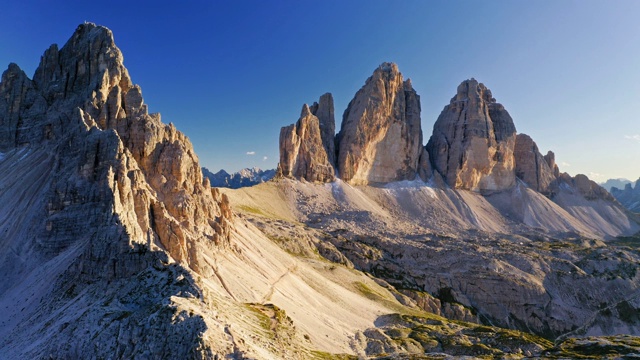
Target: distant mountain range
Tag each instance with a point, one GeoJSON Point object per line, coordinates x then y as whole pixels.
{"type": "Point", "coordinates": [243, 178]}
{"type": "Point", "coordinates": [628, 196]}
{"type": "Point", "coordinates": [619, 183]}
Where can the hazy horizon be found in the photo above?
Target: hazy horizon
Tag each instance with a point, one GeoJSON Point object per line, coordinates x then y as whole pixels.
{"type": "Point", "coordinates": [230, 74]}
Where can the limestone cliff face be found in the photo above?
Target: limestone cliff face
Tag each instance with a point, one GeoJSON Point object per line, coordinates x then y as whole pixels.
{"type": "Point", "coordinates": [380, 139]}
{"type": "Point", "coordinates": [306, 146]}
{"type": "Point", "coordinates": [531, 167]}
{"type": "Point", "coordinates": [473, 141]}
{"type": "Point", "coordinates": [324, 111]}
{"type": "Point", "coordinates": [141, 176]}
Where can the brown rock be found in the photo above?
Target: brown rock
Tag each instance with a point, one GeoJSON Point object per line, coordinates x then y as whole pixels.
{"type": "Point", "coordinates": [473, 141]}
{"type": "Point", "coordinates": [323, 110]}
{"type": "Point", "coordinates": [302, 152]}
{"type": "Point", "coordinates": [531, 167]}
{"type": "Point", "coordinates": [381, 137]}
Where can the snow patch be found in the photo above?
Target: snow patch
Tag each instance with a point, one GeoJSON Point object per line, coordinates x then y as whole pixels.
{"type": "Point", "coordinates": [404, 184]}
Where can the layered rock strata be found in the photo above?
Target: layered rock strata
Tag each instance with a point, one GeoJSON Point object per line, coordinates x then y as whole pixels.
{"type": "Point", "coordinates": [473, 141]}
{"type": "Point", "coordinates": [380, 139]}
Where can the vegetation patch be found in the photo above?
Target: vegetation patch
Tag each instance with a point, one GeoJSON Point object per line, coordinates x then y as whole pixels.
{"type": "Point", "coordinates": [321, 355]}
{"type": "Point", "coordinates": [251, 210]}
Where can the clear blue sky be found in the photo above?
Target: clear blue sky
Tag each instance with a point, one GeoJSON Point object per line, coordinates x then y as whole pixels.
{"type": "Point", "coordinates": [230, 73]}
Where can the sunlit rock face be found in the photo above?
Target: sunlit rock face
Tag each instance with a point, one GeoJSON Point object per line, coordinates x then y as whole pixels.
{"type": "Point", "coordinates": [473, 141]}
{"type": "Point", "coordinates": [307, 147]}
{"type": "Point", "coordinates": [380, 139]}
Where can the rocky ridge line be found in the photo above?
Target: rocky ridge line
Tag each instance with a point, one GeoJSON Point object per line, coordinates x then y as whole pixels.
{"type": "Point", "coordinates": [120, 189]}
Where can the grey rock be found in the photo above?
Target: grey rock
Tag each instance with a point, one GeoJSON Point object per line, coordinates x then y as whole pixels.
{"type": "Point", "coordinates": [473, 141]}
{"type": "Point", "coordinates": [531, 167]}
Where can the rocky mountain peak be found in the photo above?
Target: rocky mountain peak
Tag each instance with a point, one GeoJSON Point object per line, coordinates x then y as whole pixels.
{"type": "Point", "coordinates": [380, 139]}
{"type": "Point", "coordinates": [471, 89]}
{"type": "Point", "coordinates": [473, 141]}
{"type": "Point", "coordinates": [89, 61]}
{"type": "Point", "coordinates": [83, 108]}
{"type": "Point", "coordinates": [306, 111]}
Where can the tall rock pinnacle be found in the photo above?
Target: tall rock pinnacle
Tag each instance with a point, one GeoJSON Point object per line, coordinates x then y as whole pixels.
{"type": "Point", "coordinates": [531, 167]}
{"type": "Point", "coordinates": [473, 141]}
{"type": "Point", "coordinates": [380, 139]}
{"type": "Point", "coordinates": [307, 149]}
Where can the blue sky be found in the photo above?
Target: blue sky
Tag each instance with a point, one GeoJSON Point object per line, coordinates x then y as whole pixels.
{"type": "Point", "coordinates": [230, 73]}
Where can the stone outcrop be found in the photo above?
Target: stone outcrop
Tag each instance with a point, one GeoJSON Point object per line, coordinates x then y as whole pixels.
{"type": "Point", "coordinates": [112, 184]}
{"type": "Point", "coordinates": [473, 141]}
{"type": "Point", "coordinates": [532, 167]}
{"type": "Point", "coordinates": [304, 153]}
{"type": "Point", "coordinates": [629, 197]}
{"type": "Point", "coordinates": [380, 139]}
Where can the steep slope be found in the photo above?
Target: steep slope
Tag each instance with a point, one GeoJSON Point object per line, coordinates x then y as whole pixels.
{"type": "Point", "coordinates": [463, 248]}
{"type": "Point", "coordinates": [380, 138]}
